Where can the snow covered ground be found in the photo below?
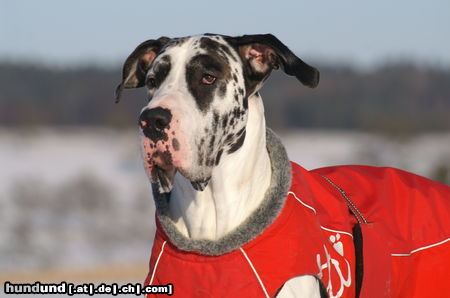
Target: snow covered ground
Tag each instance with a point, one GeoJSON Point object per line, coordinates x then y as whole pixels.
{"type": "Point", "coordinates": [78, 197]}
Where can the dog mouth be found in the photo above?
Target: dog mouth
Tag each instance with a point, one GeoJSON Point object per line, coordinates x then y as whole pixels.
{"type": "Point", "coordinates": [163, 179]}
{"type": "Point", "coordinates": [163, 174]}
{"type": "Point", "coordinates": [161, 170]}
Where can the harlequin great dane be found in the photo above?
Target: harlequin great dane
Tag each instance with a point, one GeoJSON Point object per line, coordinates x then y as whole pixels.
{"type": "Point", "coordinates": [235, 218]}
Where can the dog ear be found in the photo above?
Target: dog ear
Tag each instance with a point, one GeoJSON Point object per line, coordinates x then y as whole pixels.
{"type": "Point", "coordinates": [138, 63]}
{"type": "Point", "coordinates": [263, 52]}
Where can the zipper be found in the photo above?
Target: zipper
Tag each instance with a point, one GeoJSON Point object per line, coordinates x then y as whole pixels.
{"type": "Point", "coordinates": [359, 217]}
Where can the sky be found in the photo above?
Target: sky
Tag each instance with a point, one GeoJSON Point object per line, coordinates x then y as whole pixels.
{"type": "Point", "coordinates": [104, 32]}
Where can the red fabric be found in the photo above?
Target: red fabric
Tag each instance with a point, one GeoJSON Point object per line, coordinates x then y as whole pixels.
{"type": "Point", "coordinates": [312, 235]}
{"type": "Point", "coordinates": [406, 213]}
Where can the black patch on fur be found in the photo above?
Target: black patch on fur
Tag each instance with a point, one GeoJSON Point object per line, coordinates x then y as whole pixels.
{"type": "Point", "coordinates": [209, 44]}
{"type": "Point", "coordinates": [200, 151]}
{"type": "Point", "coordinates": [246, 103]}
{"type": "Point", "coordinates": [232, 121]}
{"type": "Point", "coordinates": [229, 138]}
{"type": "Point", "coordinates": [238, 144]}
{"type": "Point", "coordinates": [219, 155]}
{"type": "Point", "coordinates": [214, 46]}
{"type": "Point", "coordinates": [200, 65]}
{"type": "Point", "coordinates": [222, 90]}
{"type": "Point", "coordinates": [226, 50]}
{"type": "Point", "coordinates": [215, 121]}
{"type": "Point", "coordinates": [238, 113]}
{"type": "Point", "coordinates": [224, 120]}
{"type": "Point", "coordinates": [242, 130]}
{"type": "Point", "coordinates": [200, 185]}
{"type": "Point", "coordinates": [161, 71]}
{"type": "Point", "coordinates": [175, 144]}
{"type": "Point", "coordinates": [211, 142]}
{"type": "Point", "coordinates": [178, 41]}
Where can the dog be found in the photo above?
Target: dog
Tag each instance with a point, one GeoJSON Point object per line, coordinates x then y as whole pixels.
{"type": "Point", "coordinates": [236, 218]}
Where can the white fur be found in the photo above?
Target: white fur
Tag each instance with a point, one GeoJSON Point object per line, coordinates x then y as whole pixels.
{"type": "Point", "coordinates": [236, 189]}
{"type": "Point", "coordinates": [305, 286]}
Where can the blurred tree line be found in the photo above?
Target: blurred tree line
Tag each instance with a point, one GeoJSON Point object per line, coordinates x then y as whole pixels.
{"type": "Point", "coordinates": [396, 98]}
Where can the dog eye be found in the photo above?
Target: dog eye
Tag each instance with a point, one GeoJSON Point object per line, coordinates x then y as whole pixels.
{"type": "Point", "coordinates": [151, 83]}
{"type": "Point", "coordinates": [208, 79]}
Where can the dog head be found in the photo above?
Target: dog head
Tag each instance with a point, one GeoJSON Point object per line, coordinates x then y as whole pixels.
{"type": "Point", "coordinates": [198, 91]}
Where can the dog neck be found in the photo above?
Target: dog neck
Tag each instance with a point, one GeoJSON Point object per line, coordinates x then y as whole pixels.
{"type": "Point", "coordinates": [237, 186]}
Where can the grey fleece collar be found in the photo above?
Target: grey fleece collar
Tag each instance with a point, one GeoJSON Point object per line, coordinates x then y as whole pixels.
{"type": "Point", "coordinates": [254, 225]}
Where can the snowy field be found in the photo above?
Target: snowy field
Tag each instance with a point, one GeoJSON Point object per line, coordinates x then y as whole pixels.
{"type": "Point", "coordinates": [79, 198]}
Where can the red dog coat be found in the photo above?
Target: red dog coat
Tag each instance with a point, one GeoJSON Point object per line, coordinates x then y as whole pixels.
{"type": "Point", "coordinates": [404, 251]}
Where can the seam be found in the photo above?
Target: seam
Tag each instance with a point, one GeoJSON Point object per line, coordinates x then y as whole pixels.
{"type": "Point", "coordinates": [255, 272]}
{"type": "Point", "coordinates": [157, 262]}
{"type": "Point", "coordinates": [419, 249]}
{"type": "Point", "coordinates": [301, 202]}
{"type": "Point", "coordinates": [315, 212]}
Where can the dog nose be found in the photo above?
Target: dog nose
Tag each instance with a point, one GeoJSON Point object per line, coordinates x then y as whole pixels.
{"type": "Point", "coordinates": [158, 118]}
